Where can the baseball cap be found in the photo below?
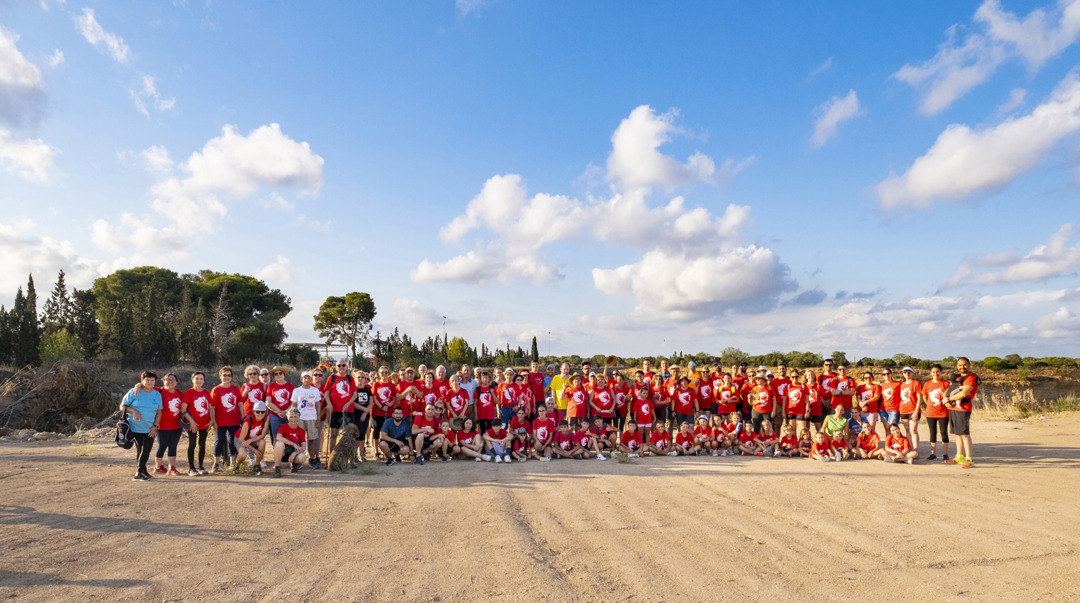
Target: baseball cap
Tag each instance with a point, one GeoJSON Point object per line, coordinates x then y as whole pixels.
{"type": "Point", "coordinates": [260, 406]}
{"type": "Point", "coordinates": [908, 369]}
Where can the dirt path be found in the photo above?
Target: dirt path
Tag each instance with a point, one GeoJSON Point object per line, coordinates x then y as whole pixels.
{"type": "Point", "coordinates": [657, 529]}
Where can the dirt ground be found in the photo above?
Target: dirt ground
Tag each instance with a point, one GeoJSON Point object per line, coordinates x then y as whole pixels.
{"type": "Point", "coordinates": [656, 529]}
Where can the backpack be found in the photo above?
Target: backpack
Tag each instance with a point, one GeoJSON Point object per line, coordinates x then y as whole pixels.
{"type": "Point", "coordinates": [124, 436]}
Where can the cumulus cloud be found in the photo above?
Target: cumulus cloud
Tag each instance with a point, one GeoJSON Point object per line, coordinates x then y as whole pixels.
{"type": "Point", "coordinates": [1017, 96]}
{"type": "Point", "coordinates": [831, 114]}
{"type": "Point", "coordinates": [56, 58]}
{"type": "Point", "coordinates": [963, 162]}
{"type": "Point", "coordinates": [26, 252]}
{"type": "Point", "coordinates": [157, 160]}
{"type": "Point", "coordinates": [28, 158]}
{"type": "Point", "coordinates": [148, 97]}
{"type": "Point", "coordinates": [22, 99]}
{"type": "Point", "coordinates": [1060, 323]}
{"type": "Point", "coordinates": [416, 314]}
{"type": "Point", "coordinates": [966, 60]}
{"type": "Point", "coordinates": [277, 273]}
{"type": "Point", "coordinates": [88, 26]}
{"type": "Point", "coordinates": [1052, 259]}
{"type": "Point", "coordinates": [228, 167]}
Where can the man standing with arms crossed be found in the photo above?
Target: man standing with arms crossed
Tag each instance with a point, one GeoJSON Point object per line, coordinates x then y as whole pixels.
{"type": "Point", "coordinates": [960, 412]}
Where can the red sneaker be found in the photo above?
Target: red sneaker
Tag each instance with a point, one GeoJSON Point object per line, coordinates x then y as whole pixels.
{"type": "Point", "coordinates": [161, 469]}
{"type": "Point", "coordinates": [173, 471]}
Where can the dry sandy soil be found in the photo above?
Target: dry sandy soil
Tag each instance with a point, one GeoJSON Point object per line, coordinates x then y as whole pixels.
{"type": "Point", "coordinates": [657, 529]}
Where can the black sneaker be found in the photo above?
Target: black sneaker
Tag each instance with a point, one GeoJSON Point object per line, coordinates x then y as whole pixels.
{"type": "Point", "coordinates": [141, 477]}
{"type": "Point", "coordinates": [931, 457]}
{"type": "Point", "coordinates": [420, 460]}
{"type": "Point", "coordinates": [313, 462]}
{"type": "Point", "coordinates": [295, 468]}
{"type": "Point", "coordinates": [391, 461]}
{"type": "Point", "coordinates": [258, 470]}
{"type": "Point", "coordinates": [277, 471]}
{"type": "Point", "coordinates": [945, 457]}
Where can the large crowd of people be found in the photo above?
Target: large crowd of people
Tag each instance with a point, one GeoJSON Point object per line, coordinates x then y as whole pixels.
{"type": "Point", "coordinates": [515, 415]}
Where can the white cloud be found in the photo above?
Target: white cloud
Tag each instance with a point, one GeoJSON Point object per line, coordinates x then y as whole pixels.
{"type": "Point", "coordinates": [636, 160]}
{"type": "Point", "coordinates": [157, 160]}
{"type": "Point", "coordinates": [277, 273]}
{"type": "Point", "coordinates": [1017, 96]}
{"type": "Point", "coordinates": [963, 162]}
{"type": "Point", "coordinates": [415, 314]}
{"type": "Point", "coordinates": [22, 99]}
{"type": "Point", "coordinates": [26, 252]}
{"type": "Point", "coordinates": [1060, 323]}
{"type": "Point", "coordinates": [467, 7]}
{"type": "Point", "coordinates": [681, 287]}
{"type": "Point", "coordinates": [822, 68]}
{"type": "Point", "coordinates": [29, 158]}
{"type": "Point", "coordinates": [1055, 258]}
{"type": "Point", "coordinates": [832, 113]}
{"type": "Point", "coordinates": [149, 94]}
{"type": "Point", "coordinates": [56, 58]}
{"type": "Point", "coordinates": [228, 167]}
{"type": "Point", "coordinates": [1027, 299]}
{"type": "Point", "coordinates": [964, 62]}
{"type": "Point", "coordinates": [90, 29]}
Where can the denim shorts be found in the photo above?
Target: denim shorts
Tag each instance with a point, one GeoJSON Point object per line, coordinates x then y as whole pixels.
{"type": "Point", "coordinates": [892, 417]}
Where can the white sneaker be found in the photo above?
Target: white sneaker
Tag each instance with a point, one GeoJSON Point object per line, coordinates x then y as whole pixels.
{"type": "Point", "coordinates": [673, 453]}
{"type": "Point", "coordinates": [776, 452]}
{"type": "Point", "coordinates": [839, 457]}
{"type": "Point", "coordinates": [911, 461]}
{"type": "Point", "coordinates": [712, 453]}
{"type": "Point", "coordinates": [825, 459]}
{"type": "Point", "coordinates": [522, 459]}
{"type": "Point", "coordinates": [600, 456]}
{"type": "Point", "coordinates": [507, 459]}
{"type": "Point", "coordinates": [498, 459]}
{"type": "Point", "coordinates": [485, 458]}
{"type": "Point", "coordinates": [479, 460]}
{"type": "Point", "coordinates": [633, 455]}
{"type": "Point", "coordinates": [890, 459]}
{"type": "Point", "coordinates": [546, 459]}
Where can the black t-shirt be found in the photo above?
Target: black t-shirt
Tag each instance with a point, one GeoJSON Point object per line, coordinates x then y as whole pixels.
{"type": "Point", "coordinates": [363, 398]}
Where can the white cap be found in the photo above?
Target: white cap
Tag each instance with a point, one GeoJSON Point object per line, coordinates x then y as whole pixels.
{"type": "Point", "coordinates": [908, 369]}
{"type": "Point", "coordinates": [260, 406]}
{"type": "Point", "coordinates": [305, 374]}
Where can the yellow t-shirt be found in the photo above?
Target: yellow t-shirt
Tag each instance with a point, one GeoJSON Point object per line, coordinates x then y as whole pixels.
{"type": "Point", "coordinates": [557, 384]}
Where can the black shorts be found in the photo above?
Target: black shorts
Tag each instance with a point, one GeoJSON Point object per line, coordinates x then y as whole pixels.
{"type": "Point", "coordinates": [335, 419]}
{"type": "Point", "coordinates": [959, 422]}
{"type": "Point", "coordinates": [427, 443]}
{"type": "Point", "coordinates": [361, 424]}
{"type": "Point", "coordinates": [796, 418]}
{"type": "Point", "coordinates": [816, 419]}
{"type": "Point", "coordinates": [904, 417]}
{"type": "Point", "coordinates": [287, 453]}
{"type": "Point", "coordinates": [393, 446]}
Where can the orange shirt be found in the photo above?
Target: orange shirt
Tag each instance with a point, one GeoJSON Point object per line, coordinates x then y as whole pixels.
{"type": "Point", "coordinates": [935, 399]}
{"type": "Point", "coordinates": [909, 397]}
{"type": "Point", "coordinates": [898, 443]}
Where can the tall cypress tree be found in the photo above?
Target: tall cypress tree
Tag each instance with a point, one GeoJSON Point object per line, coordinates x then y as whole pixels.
{"type": "Point", "coordinates": [58, 308]}
{"type": "Point", "coordinates": [84, 321]}
{"type": "Point", "coordinates": [5, 337]}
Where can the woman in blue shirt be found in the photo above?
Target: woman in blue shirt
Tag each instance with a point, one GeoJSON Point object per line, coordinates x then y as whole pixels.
{"type": "Point", "coordinates": [142, 408]}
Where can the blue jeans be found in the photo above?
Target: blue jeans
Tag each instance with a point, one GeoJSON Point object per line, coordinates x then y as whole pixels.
{"type": "Point", "coordinates": [275, 422]}
{"type": "Point", "coordinates": [507, 413]}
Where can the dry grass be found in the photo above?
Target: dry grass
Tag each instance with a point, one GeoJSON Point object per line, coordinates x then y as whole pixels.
{"type": "Point", "coordinates": [1020, 403]}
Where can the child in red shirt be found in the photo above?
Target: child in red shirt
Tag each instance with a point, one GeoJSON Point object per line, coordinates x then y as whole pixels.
{"type": "Point", "coordinates": [703, 436]}
{"type": "Point", "coordinates": [660, 443]}
{"type": "Point", "coordinates": [898, 448]}
{"type": "Point", "coordinates": [789, 444]}
{"type": "Point", "coordinates": [631, 440]}
{"type": "Point", "coordinates": [684, 441]}
{"type": "Point", "coordinates": [749, 443]}
{"type": "Point", "coordinates": [564, 445]}
{"type": "Point", "coordinates": [869, 444]}
{"type": "Point", "coordinates": [821, 450]}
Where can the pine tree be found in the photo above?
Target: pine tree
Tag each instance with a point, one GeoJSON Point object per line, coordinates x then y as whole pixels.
{"type": "Point", "coordinates": [59, 307]}
{"type": "Point", "coordinates": [6, 337]}
{"type": "Point", "coordinates": [28, 332]}
{"type": "Point", "coordinates": [84, 323]}
{"type": "Point", "coordinates": [535, 351]}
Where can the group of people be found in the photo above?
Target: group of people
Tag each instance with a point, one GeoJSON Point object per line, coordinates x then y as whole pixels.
{"type": "Point", "coordinates": [513, 415]}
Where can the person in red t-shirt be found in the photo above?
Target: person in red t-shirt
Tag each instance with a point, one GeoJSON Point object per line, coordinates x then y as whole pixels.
{"type": "Point", "coordinates": [564, 445]}
{"type": "Point", "coordinates": [468, 441]}
{"type": "Point", "coordinates": [822, 449]}
{"type": "Point", "coordinates": [585, 438]}
{"type": "Point", "coordinates": [507, 395]}
{"type": "Point", "coordinates": [868, 395]}
{"type": "Point", "coordinates": [252, 437]}
{"type": "Point", "coordinates": [937, 415]}
{"type": "Point", "coordinates": [910, 405]}
{"type": "Point", "coordinates": [605, 435]}
{"type": "Point", "coordinates": [869, 444]}
{"type": "Point", "coordinates": [684, 441]}
{"type": "Point", "coordinates": [425, 431]}
{"type": "Point", "coordinates": [643, 412]}
{"type": "Point", "coordinates": [486, 403]}
{"type": "Point", "coordinates": [168, 431]}
{"type": "Point", "coordinates": [225, 405]}
{"type": "Point", "coordinates": [543, 433]}
{"type": "Point", "coordinates": [630, 442]}
{"type": "Point", "coordinates": [815, 393]}
{"type": "Point", "coordinates": [253, 391]}
{"type": "Point", "coordinates": [749, 441]}
{"type": "Point", "coordinates": [659, 443]}
{"type": "Point", "coordinates": [603, 401]}
{"type": "Point", "coordinates": [898, 448]}
{"type": "Point", "coordinates": [535, 382]}
{"type": "Point", "coordinates": [789, 444]}
{"type": "Point", "coordinates": [195, 410]}
{"type": "Point", "coordinates": [497, 442]}
{"type": "Point", "coordinates": [890, 400]}
{"type": "Point", "coordinates": [577, 399]}
{"type": "Point", "coordinates": [289, 446]}
{"type": "Point", "coordinates": [685, 400]}
{"type": "Point", "coordinates": [762, 399]}
{"type": "Point", "coordinates": [624, 396]}
{"type": "Point", "coordinates": [703, 436]}
{"type": "Point", "coordinates": [960, 404]}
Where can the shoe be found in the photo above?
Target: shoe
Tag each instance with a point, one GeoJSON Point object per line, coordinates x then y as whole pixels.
{"type": "Point", "coordinates": [479, 460]}
{"type": "Point", "coordinates": [313, 462]}
{"type": "Point", "coordinates": [967, 464]}
{"type": "Point", "coordinates": [257, 470]}
{"type": "Point", "coordinates": [202, 471]}
{"type": "Point", "coordinates": [160, 470]}
{"type": "Point", "coordinates": [427, 456]}
{"type": "Point", "coordinates": [498, 459]}
{"type": "Point", "coordinates": [890, 459]}
{"type": "Point", "coordinates": [507, 459]}
{"type": "Point", "coordinates": [263, 465]}
{"type": "Point", "coordinates": [633, 455]}
{"type": "Point", "coordinates": [600, 457]}
{"type": "Point", "coordinates": [419, 460]}
{"type": "Point", "coordinates": [931, 457]}
{"type": "Point", "coordinates": [390, 461]}
{"type": "Point", "coordinates": [673, 453]}
{"type": "Point", "coordinates": [953, 460]}
{"type": "Point", "coordinates": [140, 477]}
{"type": "Point", "coordinates": [712, 453]}
{"type": "Point", "coordinates": [522, 459]}
{"type": "Point", "coordinates": [546, 459]}
{"type": "Point", "coordinates": [277, 471]}
{"type": "Point", "coordinates": [173, 471]}
{"type": "Point", "coordinates": [295, 468]}
{"type": "Point", "coordinates": [911, 461]}
{"type": "Point", "coordinates": [757, 453]}
{"type": "Point", "coordinates": [825, 459]}
{"type": "Point", "coordinates": [192, 473]}
{"type": "Point", "coordinates": [447, 459]}
{"type": "Point", "coordinates": [776, 452]}
{"type": "Point", "coordinates": [214, 467]}
{"type": "Point", "coordinates": [485, 457]}
{"type": "Point", "coordinates": [945, 458]}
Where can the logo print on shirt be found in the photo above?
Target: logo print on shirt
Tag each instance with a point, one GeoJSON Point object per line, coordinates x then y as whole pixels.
{"type": "Point", "coordinates": [228, 402]}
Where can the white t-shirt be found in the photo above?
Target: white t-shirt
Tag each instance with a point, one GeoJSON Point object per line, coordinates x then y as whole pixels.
{"type": "Point", "coordinates": [306, 400]}
{"type": "Point", "coordinates": [470, 386]}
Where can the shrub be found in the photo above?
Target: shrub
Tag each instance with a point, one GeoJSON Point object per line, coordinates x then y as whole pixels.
{"type": "Point", "coordinates": [992, 363]}
{"type": "Point", "coordinates": [59, 345]}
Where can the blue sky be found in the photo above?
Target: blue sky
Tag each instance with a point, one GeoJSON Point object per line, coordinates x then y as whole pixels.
{"type": "Point", "coordinates": [633, 178]}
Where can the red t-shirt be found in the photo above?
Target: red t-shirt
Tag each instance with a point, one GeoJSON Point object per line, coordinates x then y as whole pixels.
{"type": "Point", "coordinates": [748, 438]}
{"type": "Point", "coordinates": [643, 411]}
{"type": "Point", "coordinates": [869, 395]}
{"type": "Point", "coordinates": [684, 401]}
{"type": "Point", "coordinates": [576, 402]}
{"type": "Point", "coordinates": [686, 440]}
{"type": "Point", "coordinates": [457, 401]}
{"type": "Point", "coordinates": [441, 386]}
{"type": "Point", "coordinates": [789, 442]}
{"type": "Point", "coordinates": [496, 432]}
{"type": "Point", "coordinates": [660, 438]}
{"type": "Point", "coordinates": [909, 397]}
{"type": "Point", "coordinates": [703, 432]}
{"type": "Point", "coordinates": [536, 385]}
{"type": "Point", "coordinates": [411, 404]}
{"type": "Point", "coordinates": [170, 408]}
{"type": "Point", "coordinates": [252, 394]}
{"type": "Point", "coordinates": [341, 391]}
{"type": "Point", "coordinates": [564, 440]}
{"type": "Point", "coordinates": [507, 394]}
{"type": "Point", "coordinates": [295, 435]}
{"type": "Point", "coordinates": [814, 394]}
{"type": "Point", "coordinates": [485, 403]}
{"type": "Point", "coordinates": [839, 442]}
{"type": "Point", "coordinates": [780, 387]}
{"type": "Point", "coordinates": [428, 395]}
{"type": "Point", "coordinates": [705, 392]}
{"type": "Point", "coordinates": [384, 396]}
{"type": "Point", "coordinates": [198, 406]}
{"type": "Point", "coordinates": [255, 427]}
{"type": "Point", "coordinates": [796, 400]}
{"type": "Point", "coordinates": [846, 384]}
{"type": "Point", "coordinates": [466, 437]}
{"type": "Point", "coordinates": [279, 398]}
{"type": "Point", "coordinates": [623, 395]}
{"type": "Point", "coordinates": [821, 449]}
{"type": "Point", "coordinates": [523, 397]}
{"type": "Point", "coordinates": [422, 421]}
{"type": "Point", "coordinates": [868, 440]}
{"type": "Point", "coordinates": [762, 398]}
{"type": "Point", "coordinates": [519, 425]}
{"type": "Point", "coordinates": [890, 396]}
{"type": "Point", "coordinates": [898, 443]}
{"type": "Point", "coordinates": [543, 430]}
{"type": "Point", "coordinates": [935, 399]}
{"type": "Point", "coordinates": [226, 403]}
{"type": "Point", "coordinates": [965, 404]}
{"type": "Point", "coordinates": [605, 401]}
{"type": "Point", "coordinates": [631, 439]}
{"type": "Point", "coordinates": [582, 438]}
{"type": "Point", "coordinates": [827, 382]}
{"type": "Point", "coordinates": [727, 399]}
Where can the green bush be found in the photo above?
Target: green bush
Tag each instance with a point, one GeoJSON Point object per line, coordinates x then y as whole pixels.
{"type": "Point", "coordinates": [59, 345]}
{"type": "Point", "coordinates": [992, 363]}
